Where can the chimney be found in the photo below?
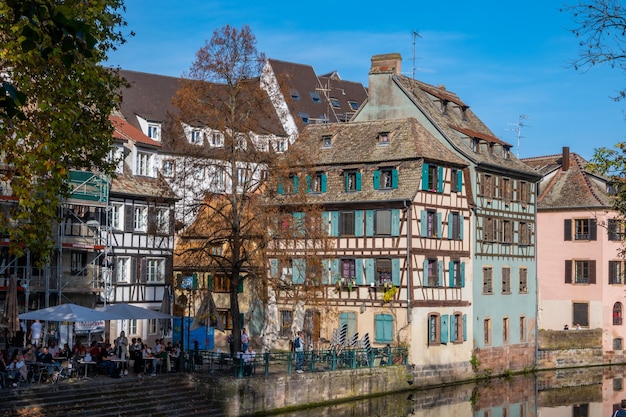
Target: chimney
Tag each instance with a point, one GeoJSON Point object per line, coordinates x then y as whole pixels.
{"type": "Point", "coordinates": [565, 160]}
{"type": "Point", "coordinates": [387, 64]}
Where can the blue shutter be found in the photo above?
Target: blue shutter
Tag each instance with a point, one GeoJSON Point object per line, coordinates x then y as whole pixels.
{"type": "Point", "coordinates": [348, 318]}
{"type": "Point", "coordinates": [452, 327]}
{"type": "Point", "coordinates": [394, 178]}
{"type": "Point", "coordinates": [377, 179]}
{"type": "Point", "coordinates": [459, 180]}
{"type": "Point", "coordinates": [369, 222]}
{"type": "Point", "coordinates": [384, 328]}
{"type": "Point", "coordinates": [358, 180]}
{"type": "Point", "coordinates": [423, 223]}
{"type": "Point", "coordinates": [335, 275]}
{"type": "Point", "coordinates": [325, 270]}
{"type": "Point", "coordinates": [358, 223]}
{"type": "Point", "coordinates": [444, 328]}
{"type": "Point", "coordinates": [325, 220]}
{"type": "Point", "coordinates": [334, 223]}
{"type": "Point", "coordinates": [425, 273]}
{"type": "Point", "coordinates": [438, 218]}
{"type": "Point", "coordinates": [440, 273]}
{"type": "Point", "coordinates": [450, 217]}
{"type": "Point", "coordinates": [450, 274]}
{"type": "Point", "coordinates": [464, 327]}
{"type": "Point", "coordinates": [296, 183]}
{"type": "Point", "coordinates": [395, 271]}
{"type": "Point", "coordinates": [299, 271]}
{"type": "Point", "coordinates": [461, 221]}
{"type": "Point", "coordinates": [298, 220]}
{"type": "Point", "coordinates": [440, 179]}
{"type": "Point", "coordinates": [274, 268]}
{"type": "Point", "coordinates": [369, 271]}
{"type": "Point", "coordinates": [323, 185]}
{"type": "Point", "coordinates": [395, 222]}
{"type": "Point", "coordinates": [358, 269]}
{"type": "Point", "coordinates": [345, 180]}
{"type": "Point", "coordinates": [308, 183]}
{"type": "Point", "coordinates": [462, 274]}
{"type": "Point", "coordinates": [424, 176]}
{"type": "Point", "coordinates": [280, 188]}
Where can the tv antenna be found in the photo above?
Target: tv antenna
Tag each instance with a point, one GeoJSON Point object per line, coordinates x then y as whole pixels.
{"type": "Point", "coordinates": [415, 36]}
{"type": "Point", "coordinates": [517, 128]}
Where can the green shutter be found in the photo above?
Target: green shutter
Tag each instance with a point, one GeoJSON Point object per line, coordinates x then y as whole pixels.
{"type": "Point", "coordinates": [462, 274]}
{"type": "Point", "coordinates": [211, 283]}
{"type": "Point", "coordinates": [323, 185]}
{"type": "Point", "coordinates": [358, 223]}
{"type": "Point", "coordinates": [358, 181]}
{"type": "Point", "coordinates": [349, 319]}
{"type": "Point", "coordinates": [450, 274]}
{"type": "Point", "coordinates": [280, 188]}
{"type": "Point", "coordinates": [325, 220]}
{"type": "Point", "coordinates": [308, 183]}
{"type": "Point", "coordinates": [299, 271]}
{"type": "Point", "coordinates": [438, 218]}
{"type": "Point", "coordinates": [358, 269]}
{"type": "Point", "coordinates": [325, 270]}
{"type": "Point", "coordinates": [296, 184]}
{"type": "Point", "coordinates": [369, 222]}
{"type": "Point", "coordinates": [241, 320]}
{"type": "Point", "coordinates": [377, 179]}
{"type": "Point", "coordinates": [459, 180]}
{"type": "Point", "coordinates": [464, 327]}
{"type": "Point", "coordinates": [450, 218]}
{"type": "Point", "coordinates": [369, 271]}
{"type": "Point", "coordinates": [384, 328]}
{"type": "Point", "coordinates": [424, 176]}
{"type": "Point", "coordinates": [423, 223]}
{"type": "Point", "coordinates": [395, 222]}
{"type": "Point", "coordinates": [452, 327]}
{"type": "Point", "coordinates": [461, 221]}
{"type": "Point", "coordinates": [395, 271]}
{"type": "Point", "coordinates": [394, 178]}
{"type": "Point", "coordinates": [440, 273]}
{"type": "Point", "coordinates": [273, 268]}
{"type": "Point", "coordinates": [443, 329]}
{"type": "Point", "coordinates": [440, 179]}
{"type": "Point", "coordinates": [298, 220]}
{"type": "Point", "coordinates": [334, 223]}
{"type": "Point", "coordinates": [334, 271]}
{"type": "Point", "coordinates": [240, 286]}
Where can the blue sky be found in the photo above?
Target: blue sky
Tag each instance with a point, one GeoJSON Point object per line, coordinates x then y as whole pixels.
{"type": "Point", "coordinates": [504, 60]}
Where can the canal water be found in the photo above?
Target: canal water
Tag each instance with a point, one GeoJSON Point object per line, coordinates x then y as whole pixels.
{"type": "Point", "coordinates": [581, 392]}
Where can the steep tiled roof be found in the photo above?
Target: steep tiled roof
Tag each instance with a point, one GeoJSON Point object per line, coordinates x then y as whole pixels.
{"type": "Point", "coordinates": [125, 131]}
{"type": "Point", "coordinates": [300, 85]}
{"type": "Point", "coordinates": [460, 125]}
{"type": "Point", "coordinates": [142, 187]}
{"type": "Point", "coordinates": [573, 188]}
{"type": "Point", "coordinates": [356, 145]}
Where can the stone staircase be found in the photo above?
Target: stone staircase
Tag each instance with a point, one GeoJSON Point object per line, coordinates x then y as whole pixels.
{"type": "Point", "coordinates": [170, 395]}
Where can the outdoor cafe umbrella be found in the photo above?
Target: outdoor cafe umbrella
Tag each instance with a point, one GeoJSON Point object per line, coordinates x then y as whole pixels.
{"type": "Point", "coordinates": [67, 312]}
{"type": "Point", "coordinates": [9, 315]}
{"type": "Point", "coordinates": [125, 311]}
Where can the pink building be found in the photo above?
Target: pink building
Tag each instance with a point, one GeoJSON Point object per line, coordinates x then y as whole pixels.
{"type": "Point", "coordinates": [579, 268]}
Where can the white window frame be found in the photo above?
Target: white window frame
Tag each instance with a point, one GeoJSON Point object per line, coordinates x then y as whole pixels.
{"type": "Point", "coordinates": [162, 219]}
{"type": "Point", "coordinates": [168, 167]}
{"type": "Point", "coordinates": [117, 216]}
{"type": "Point", "coordinates": [155, 270]}
{"type": "Point", "coordinates": [217, 139]}
{"type": "Point", "coordinates": [123, 269]}
{"type": "Point", "coordinates": [140, 218]}
{"type": "Point", "coordinates": [154, 131]}
{"type": "Point", "coordinates": [144, 164]}
{"type": "Point", "coordinates": [195, 136]}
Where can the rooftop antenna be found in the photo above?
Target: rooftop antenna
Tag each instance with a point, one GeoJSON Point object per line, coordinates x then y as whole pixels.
{"type": "Point", "coordinates": [517, 128]}
{"type": "Point", "coordinates": [415, 36]}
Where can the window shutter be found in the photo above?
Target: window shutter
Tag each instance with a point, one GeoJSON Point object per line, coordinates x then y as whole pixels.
{"type": "Point", "coordinates": [241, 320]}
{"type": "Point", "coordinates": [143, 271]}
{"type": "Point", "coordinates": [425, 273]}
{"type": "Point", "coordinates": [274, 268]}
{"type": "Point", "coordinates": [280, 189]}
{"type": "Point", "coordinates": [567, 229]}
{"type": "Point", "coordinates": [346, 182]}
{"type": "Point", "coordinates": [464, 327]}
{"type": "Point", "coordinates": [424, 176]}
{"type": "Point", "coordinates": [369, 223]}
{"type": "Point", "coordinates": [128, 218]}
{"type": "Point", "coordinates": [323, 185]}
{"type": "Point", "coordinates": [325, 270]}
{"type": "Point", "coordinates": [334, 223]}
{"type": "Point", "coordinates": [568, 271]}
{"type": "Point", "coordinates": [308, 183]}
{"type": "Point", "coordinates": [358, 180]}
{"type": "Point", "coordinates": [450, 217]}
{"type": "Point", "coordinates": [461, 221]}
{"type": "Point", "coordinates": [133, 270]}
{"type": "Point", "coordinates": [334, 271]}
{"type": "Point", "coordinates": [395, 271]}
{"type": "Point", "coordinates": [211, 283]}
{"type": "Point", "coordinates": [296, 184]}
{"type": "Point", "coordinates": [593, 229]}
{"type": "Point", "coordinates": [439, 235]}
{"type": "Point", "coordinates": [440, 273]}
{"type": "Point", "coordinates": [440, 179]}
{"type": "Point", "coordinates": [423, 223]}
{"type": "Point", "coordinates": [394, 178]}
{"type": "Point", "coordinates": [369, 271]}
{"type": "Point", "coordinates": [592, 272]}
{"type": "Point", "coordinates": [358, 223]}
{"type": "Point", "coordinates": [459, 180]}
{"type": "Point", "coordinates": [376, 178]}
{"type": "Point", "coordinates": [462, 274]}
{"type": "Point", "coordinates": [169, 268]}
{"type": "Point", "coordinates": [325, 220]}
{"type": "Point", "coordinates": [443, 329]}
{"type": "Point", "coordinates": [240, 285]}
{"type": "Point", "coordinates": [299, 271]}
{"type": "Point", "coordinates": [395, 222]}
{"type": "Point", "coordinates": [358, 269]}
{"type": "Point", "coordinates": [299, 224]}
{"type": "Point", "coordinates": [452, 327]}
{"type": "Point", "coordinates": [450, 274]}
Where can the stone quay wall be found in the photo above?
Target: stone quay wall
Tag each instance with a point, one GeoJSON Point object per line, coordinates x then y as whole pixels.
{"type": "Point", "coordinates": [569, 348]}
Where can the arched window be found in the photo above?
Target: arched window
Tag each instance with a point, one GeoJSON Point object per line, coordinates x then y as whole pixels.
{"type": "Point", "coordinates": [617, 313]}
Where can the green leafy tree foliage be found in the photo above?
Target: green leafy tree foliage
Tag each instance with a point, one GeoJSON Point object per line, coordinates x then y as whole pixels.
{"type": "Point", "coordinates": [54, 108]}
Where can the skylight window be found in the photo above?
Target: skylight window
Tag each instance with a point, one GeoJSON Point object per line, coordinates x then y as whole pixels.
{"type": "Point", "coordinates": [335, 102]}
{"type": "Point", "coordinates": [304, 117]}
{"type": "Point", "coordinates": [353, 105]}
{"type": "Point", "coordinates": [294, 94]}
{"type": "Point", "coordinates": [315, 96]}
{"type": "Point", "coordinates": [327, 141]}
{"type": "Point", "coordinates": [383, 138]}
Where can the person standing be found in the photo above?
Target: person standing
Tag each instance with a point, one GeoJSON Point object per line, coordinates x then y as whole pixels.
{"type": "Point", "coordinates": [244, 340]}
{"type": "Point", "coordinates": [121, 345]}
{"type": "Point", "coordinates": [35, 333]}
{"type": "Point", "coordinates": [621, 412]}
{"type": "Point", "coordinates": [298, 346]}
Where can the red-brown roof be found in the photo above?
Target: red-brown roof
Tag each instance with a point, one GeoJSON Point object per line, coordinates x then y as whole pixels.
{"type": "Point", "coordinates": [125, 131]}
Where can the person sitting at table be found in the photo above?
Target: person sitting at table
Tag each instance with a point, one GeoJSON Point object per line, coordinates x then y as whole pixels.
{"type": "Point", "coordinates": [149, 360]}
{"type": "Point", "coordinates": [105, 359]}
{"type": "Point", "coordinates": [79, 349]}
{"type": "Point", "coordinates": [30, 355]}
{"type": "Point", "coordinates": [53, 348]}
{"type": "Point", "coordinates": [44, 355]}
{"type": "Point", "coordinates": [94, 349]}
{"type": "Point", "coordinates": [17, 368]}
{"type": "Point", "coordinates": [249, 358]}
{"type": "Point", "coordinates": [66, 352]}
{"type": "Point", "coordinates": [173, 357]}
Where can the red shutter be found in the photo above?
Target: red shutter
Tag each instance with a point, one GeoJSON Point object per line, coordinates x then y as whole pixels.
{"type": "Point", "coordinates": [567, 229]}
{"type": "Point", "coordinates": [592, 272]}
{"type": "Point", "coordinates": [593, 229]}
{"type": "Point", "coordinates": [568, 271]}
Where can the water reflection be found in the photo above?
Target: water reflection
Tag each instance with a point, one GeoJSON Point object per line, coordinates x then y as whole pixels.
{"type": "Point", "coordinates": [583, 392]}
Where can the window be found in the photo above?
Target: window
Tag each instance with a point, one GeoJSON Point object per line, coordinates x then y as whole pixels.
{"type": "Point", "coordinates": [431, 223]}
{"type": "Point", "coordinates": [505, 230]}
{"type": "Point", "coordinates": [523, 191]}
{"type": "Point", "coordinates": [78, 262]}
{"type": "Point", "coordinates": [335, 102]}
{"type": "Point", "coordinates": [144, 164]}
{"type": "Point", "coordinates": [346, 223]}
{"type": "Point", "coordinates": [522, 329]}
{"type": "Point", "coordinates": [523, 233]}
{"type": "Point", "coordinates": [154, 131]}
{"type": "Point", "coordinates": [218, 178]}
{"type": "Point", "coordinates": [348, 269]}
{"type": "Point", "coordinates": [167, 168]}
{"type": "Point", "coordinates": [615, 272]}
{"type": "Point", "coordinates": [618, 384]}
{"type": "Point", "coordinates": [580, 410]}
{"type": "Point", "coordinates": [317, 183]}
{"type": "Point", "coordinates": [384, 328]}
{"type": "Point", "coordinates": [506, 152]}
{"type": "Point", "coordinates": [456, 328]}
{"type": "Point", "coordinates": [455, 226]}
{"type": "Point", "coordinates": [217, 139]}
{"type": "Point", "coordinates": [584, 271]}
{"type": "Point", "coordinates": [615, 229]}
{"type": "Point", "coordinates": [388, 179]}
{"type": "Point", "coordinates": [327, 141]}
{"type": "Point", "coordinates": [475, 145]}
{"type": "Point", "coordinates": [583, 229]}
{"type": "Point", "coordinates": [155, 270]}
{"type": "Point", "coordinates": [383, 271]}
{"type": "Point", "coordinates": [487, 331]}
{"type": "Point", "coordinates": [243, 176]}
{"type": "Point", "coordinates": [456, 274]}
{"type": "Point", "coordinates": [315, 96]}
{"type": "Point", "coordinates": [353, 105]}
{"type": "Point", "coordinates": [225, 318]}
{"type": "Point", "coordinates": [456, 180]}
{"type": "Point", "coordinates": [487, 280]}
{"type": "Point", "coordinates": [434, 329]}
{"type": "Point", "coordinates": [117, 216]}
{"type": "Point", "coordinates": [353, 180]}
{"type": "Point", "coordinates": [490, 229]}
{"type": "Point", "coordinates": [488, 186]}
{"type": "Point", "coordinates": [123, 269]}
{"type": "Point", "coordinates": [140, 218]}
{"type": "Point", "coordinates": [133, 328]}
{"type": "Point", "coordinates": [383, 222]}
{"type": "Point", "coordinates": [505, 330]}
{"type": "Point", "coordinates": [433, 178]}
{"type": "Point", "coordinates": [432, 273]}
{"type": "Point", "coordinates": [383, 138]}
{"type": "Point", "coordinates": [523, 281]}
{"type": "Point", "coordinates": [286, 319]}
{"type": "Point", "coordinates": [581, 314]}
{"type": "Point", "coordinates": [221, 284]}
{"type": "Point", "coordinates": [304, 117]}
{"type": "Point", "coordinates": [617, 314]}
{"type": "Point", "coordinates": [348, 318]}
{"type": "Point", "coordinates": [152, 326]}
{"type": "Point", "coordinates": [506, 280]}
{"type": "Point", "coordinates": [294, 94]}
{"type": "Point", "coordinates": [159, 220]}
{"type": "Point", "coordinates": [196, 136]}
{"type": "Point", "coordinates": [618, 343]}
{"type": "Point", "coordinates": [506, 190]}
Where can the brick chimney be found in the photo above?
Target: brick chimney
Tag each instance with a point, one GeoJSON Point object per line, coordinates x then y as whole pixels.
{"type": "Point", "coordinates": [387, 64]}
{"type": "Point", "coordinates": [565, 160]}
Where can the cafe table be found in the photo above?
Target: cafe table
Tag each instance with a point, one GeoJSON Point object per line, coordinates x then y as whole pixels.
{"type": "Point", "coordinates": [86, 365]}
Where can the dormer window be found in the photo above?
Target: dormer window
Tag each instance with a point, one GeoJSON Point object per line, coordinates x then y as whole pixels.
{"type": "Point", "coordinates": [196, 136]}
{"type": "Point", "coordinates": [353, 180]}
{"type": "Point", "coordinates": [475, 145]}
{"type": "Point", "coordinates": [353, 105]}
{"type": "Point", "coordinates": [154, 131]}
{"type": "Point", "coordinates": [304, 117]}
{"type": "Point", "coordinates": [217, 139]}
{"type": "Point", "coordinates": [383, 138]}
{"type": "Point", "coordinates": [335, 102]}
{"type": "Point", "coordinates": [327, 141]}
{"type": "Point", "coordinates": [315, 96]}
{"type": "Point", "coordinates": [506, 152]}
